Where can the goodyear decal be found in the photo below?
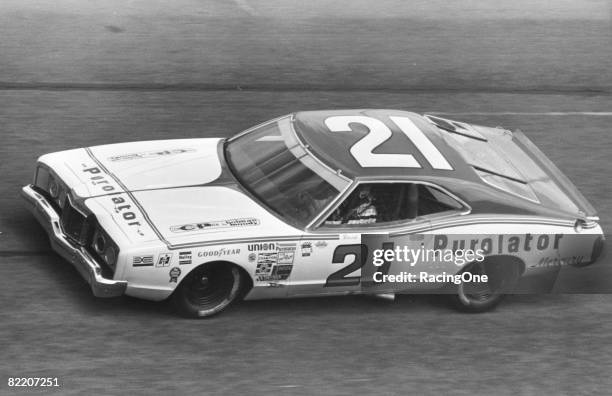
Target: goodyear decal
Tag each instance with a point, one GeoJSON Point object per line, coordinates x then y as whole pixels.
{"type": "Point", "coordinates": [219, 252]}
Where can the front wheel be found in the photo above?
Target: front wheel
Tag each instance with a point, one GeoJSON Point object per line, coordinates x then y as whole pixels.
{"type": "Point", "coordinates": [208, 290]}
{"type": "Point", "coordinates": [483, 296]}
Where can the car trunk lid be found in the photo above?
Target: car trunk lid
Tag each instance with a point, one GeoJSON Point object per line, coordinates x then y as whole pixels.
{"type": "Point", "coordinates": [510, 162]}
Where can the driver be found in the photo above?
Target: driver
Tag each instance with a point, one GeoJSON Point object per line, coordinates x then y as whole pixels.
{"type": "Point", "coordinates": [365, 211]}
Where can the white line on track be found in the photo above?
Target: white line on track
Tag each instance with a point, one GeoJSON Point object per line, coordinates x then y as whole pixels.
{"type": "Point", "coordinates": [246, 7]}
{"type": "Point", "coordinates": [547, 113]}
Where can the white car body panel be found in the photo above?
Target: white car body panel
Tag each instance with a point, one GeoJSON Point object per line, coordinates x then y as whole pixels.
{"type": "Point", "coordinates": [188, 216]}
{"type": "Point", "coordinates": [163, 164]}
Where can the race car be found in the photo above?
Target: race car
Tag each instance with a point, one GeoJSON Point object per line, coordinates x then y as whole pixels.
{"type": "Point", "coordinates": [315, 203]}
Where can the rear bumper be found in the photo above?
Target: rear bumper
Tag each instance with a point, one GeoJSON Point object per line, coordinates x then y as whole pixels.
{"type": "Point", "coordinates": [76, 255]}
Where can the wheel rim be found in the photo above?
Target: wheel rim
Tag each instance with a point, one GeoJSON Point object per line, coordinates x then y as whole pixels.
{"type": "Point", "coordinates": [500, 279]}
{"type": "Point", "coordinates": [212, 288]}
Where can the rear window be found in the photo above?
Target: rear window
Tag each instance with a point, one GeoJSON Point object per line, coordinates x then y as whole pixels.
{"type": "Point", "coordinates": [482, 155]}
{"type": "Point", "coordinates": [432, 200]}
{"type": "Point", "coordinates": [512, 186]}
{"type": "Point", "coordinates": [491, 163]}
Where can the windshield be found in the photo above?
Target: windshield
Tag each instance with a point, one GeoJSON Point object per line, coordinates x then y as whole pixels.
{"type": "Point", "coordinates": [269, 162]}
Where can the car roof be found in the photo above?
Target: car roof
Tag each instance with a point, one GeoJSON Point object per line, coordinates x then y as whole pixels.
{"type": "Point", "coordinates": [334, 148]}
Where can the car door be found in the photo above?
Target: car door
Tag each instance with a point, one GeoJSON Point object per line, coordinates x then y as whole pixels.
{"type": "Point", "coordinates": [411, 257]}
{"type": "Point", "coordinates": [338, 257]}
{"type": "Point", "coordinates": [319, 256]}
{"type": "Point", "coordinates": [343, 263]}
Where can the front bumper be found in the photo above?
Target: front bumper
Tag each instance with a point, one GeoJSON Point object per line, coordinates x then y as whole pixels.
{"type": "Point", "coordinates": [75, 254]}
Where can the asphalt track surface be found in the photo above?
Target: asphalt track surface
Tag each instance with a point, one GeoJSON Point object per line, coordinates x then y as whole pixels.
{"type": "Point", "coordinates": [73, 76]}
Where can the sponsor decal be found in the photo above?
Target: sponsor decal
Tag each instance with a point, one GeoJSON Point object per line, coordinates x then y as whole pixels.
{"type": "Point", "coordinates": [174, 274]}
{"type": "Point", "coordinates": [150, 154]}
{"type": "Point", "coordinates": [217, 224]}
{"type": "Point", "coordinates": [350, 237]}
{"type": "Point", "coordinates": [127, 212]}
{"type": "Point", "coordinates": [184, 258]}
{"type": "Point", "coordinates": [142, 261]}
{"type": "Point", "coordinates": [500, 244]}
{"type": "Point", "coordinates": [306, 249]}
{"type": "Point", "coordinates": [559, 261]}
{"type": "Point", "coordinates": [282, 272]}
{"type": "Point", "coordinates": [265, 264]}
{"type": "Point", "coordinates": [252, 257]}
{"type": "Point", "coordinates": [261, 247]}
{"type": "Point", "coordinates": [275, 266]}
{"type": "Point", "coordinates": [100, 180]}
{"type": "Point", "coordinates": [164, 260]}
{"type": "Point", "coordinates": [265, 260]}
{"type": "Point", "coordinates": [219, 252]}
{"type": "Point", "coordinates": [104, 183]}
{"type": "Point", "coordinates": [321, 244]}
{"type": "Point", "coordinates": [286, 253]}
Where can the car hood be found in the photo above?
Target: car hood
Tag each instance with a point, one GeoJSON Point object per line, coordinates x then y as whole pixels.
{"type": "Point", "coordinates": [154, 164]}
{"type": "Point", "coordinates": [190, 215]}
{"type": "Point", "coordinates": [175, 191]}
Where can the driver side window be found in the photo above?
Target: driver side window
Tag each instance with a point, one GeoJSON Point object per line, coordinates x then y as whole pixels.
{"type": "Point", "coordinates": [385, 203]}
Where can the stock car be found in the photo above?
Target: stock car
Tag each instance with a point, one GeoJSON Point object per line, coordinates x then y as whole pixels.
{"type": "Point", "coordinates": [273, 212]}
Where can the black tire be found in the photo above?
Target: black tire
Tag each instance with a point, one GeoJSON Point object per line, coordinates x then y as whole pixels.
{"type": "Point", "coordinates": [476, 297]}
{"type": "Point", "coordinates": [208, 290]}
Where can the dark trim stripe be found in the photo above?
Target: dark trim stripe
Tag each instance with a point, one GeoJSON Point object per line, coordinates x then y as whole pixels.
{"type": "Point", "coordinates": [514, 179]}
{"type": "Point", "coordinates": [132, 197]}
{"type": "Point", "coordinates": [467, 220]}
{"type": "Point", "coordinates": [256, 240]}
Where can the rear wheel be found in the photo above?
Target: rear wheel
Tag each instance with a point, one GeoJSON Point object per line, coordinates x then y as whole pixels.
{"type": "Point", "coordinates": [208, 290]}
{"type": "Point", "coordinates": [484, 296]}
